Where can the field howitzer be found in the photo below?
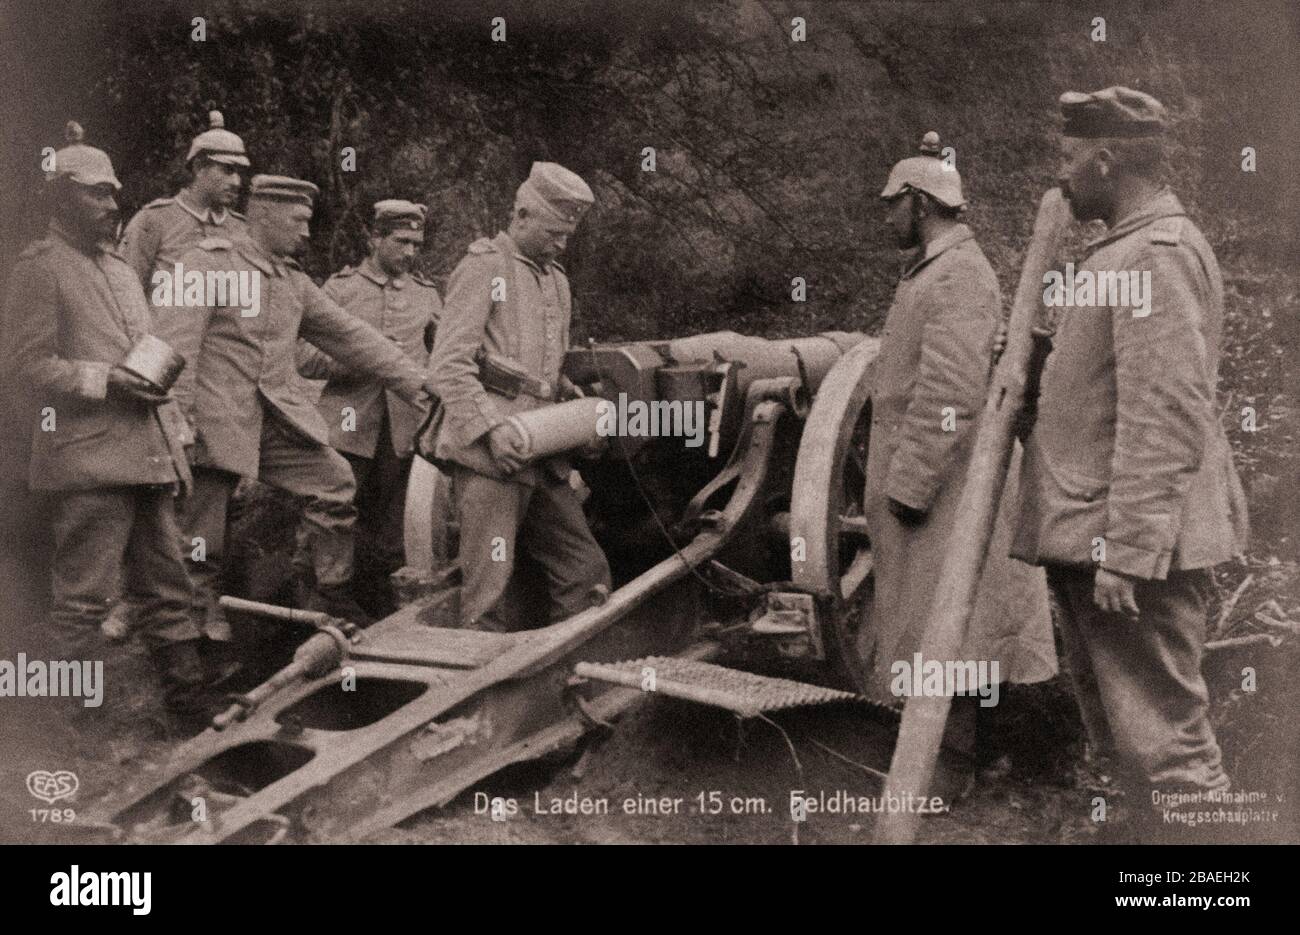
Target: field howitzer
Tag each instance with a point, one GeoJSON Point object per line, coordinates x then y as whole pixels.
{"type": "Point", "coordinates": [747, 547]}
{"type": "Point", "coordinates": [701, 383]}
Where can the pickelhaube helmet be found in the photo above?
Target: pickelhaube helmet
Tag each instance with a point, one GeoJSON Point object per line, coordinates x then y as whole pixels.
{"type": "Point", "coordinates": [218, 144]}
{"type": "Point", "coordinates": [80, 163]}
{"type": "Point", "coordinates": [926, 173]}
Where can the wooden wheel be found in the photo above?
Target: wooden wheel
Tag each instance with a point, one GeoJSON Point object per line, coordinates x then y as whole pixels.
{"type": "Point", "coordinates": [426, 523]}
{"type": "Point", "coordinates": [827, 523]}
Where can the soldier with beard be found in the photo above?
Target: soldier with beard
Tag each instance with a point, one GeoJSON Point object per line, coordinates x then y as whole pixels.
{"type": "Point", "coordinates": [1129, 495]}
{"type": "Point", "coordinates": [930, 380]}
{"type": "Point", "coordinates": [109, 445]}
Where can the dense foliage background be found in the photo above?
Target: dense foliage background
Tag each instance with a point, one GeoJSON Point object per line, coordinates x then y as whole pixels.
{"type": "Point", "coordinates": [769, 152]}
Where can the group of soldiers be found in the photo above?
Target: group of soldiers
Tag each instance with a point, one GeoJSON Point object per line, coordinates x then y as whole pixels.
{"type": "Point", "coordinates": [1126, 495]}
{"type": "Point", "coordinates": [317, 392]}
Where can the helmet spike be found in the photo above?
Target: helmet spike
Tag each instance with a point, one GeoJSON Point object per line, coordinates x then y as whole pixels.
{"type": "Point", "coordinates": [930, 144]}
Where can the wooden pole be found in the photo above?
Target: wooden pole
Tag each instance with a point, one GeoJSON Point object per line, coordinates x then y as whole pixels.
{"type": "Point", "coordinates": [924, 718]}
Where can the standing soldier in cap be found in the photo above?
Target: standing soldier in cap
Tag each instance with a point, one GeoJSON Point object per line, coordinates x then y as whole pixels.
{"type": "Point", "coordinates": [499, 349]}
{"type": "Point", "coordinates": [165, 228]}
{"type": "Point", "coordinates": [930, 379]}
{"type": "Point", "coordinates": [109, 444]}
{"type": "Point", "coordinates": [1129, 494]}
{"type": "Point", "coordinates": [247, 402]}
{"type": "Point", "coordinates": [368, 425]}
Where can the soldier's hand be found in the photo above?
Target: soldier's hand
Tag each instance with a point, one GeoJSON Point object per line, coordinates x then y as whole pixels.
{"type": "Point", "coordinates": [569, 389]}
{"type": "Point", "coordinates": [504, 443]}
{"type": "Point", "coordinates": [1114, 593]}
{"type": "Point", "coordinates": [907, 515]}
{"type": "Point", "coordinates": [125, 385]}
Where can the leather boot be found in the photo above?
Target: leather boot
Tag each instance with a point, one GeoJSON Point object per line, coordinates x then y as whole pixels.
{"type": "Point", "coordinates": [185, 689]}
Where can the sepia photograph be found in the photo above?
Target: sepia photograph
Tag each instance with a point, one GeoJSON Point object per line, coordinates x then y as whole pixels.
{"type": "Point", "coordinates": [744, 422]}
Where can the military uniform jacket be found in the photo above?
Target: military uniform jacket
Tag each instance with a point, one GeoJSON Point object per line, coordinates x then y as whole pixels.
{"type": "Point", "coordinates": [527, 322]}
{"type": "Point", "coordinates": [929, 384]}
{"type": "Point", "coordinates": [76, 315]}
{"type": "Point", "coordinates": [402, 309]}
{"type": "Point", "coordinates": [240, 364]}
{"type": "Point", "coordinates": [933, 367]}
{"type": "Point", "coordinates": [164, 229]}
{"type": "Point", "coordinates": [1127, 452]}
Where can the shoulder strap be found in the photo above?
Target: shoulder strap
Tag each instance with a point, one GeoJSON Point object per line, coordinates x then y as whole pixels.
{"type": "Point", "coordinates": [1167, 230]}
{"type": "Point", "coordinates": [35, 248]}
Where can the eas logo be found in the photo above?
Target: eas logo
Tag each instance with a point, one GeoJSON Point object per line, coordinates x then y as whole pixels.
{"type": "Point", "coordinates": [50, 787]}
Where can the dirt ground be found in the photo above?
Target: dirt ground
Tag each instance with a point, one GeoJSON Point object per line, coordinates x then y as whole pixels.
{"type": "Point", "coordinates": [676, 772]}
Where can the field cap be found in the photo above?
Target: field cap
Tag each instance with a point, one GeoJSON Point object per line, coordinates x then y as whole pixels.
{"type": "Point", "coordinates": [393, 214]}
{"type": "Point", "coordinates": [1113, 112]}
{"type": "Point", "coordinates": [283, 188]}
{"type": "Point", "coordinates": [552, 189]}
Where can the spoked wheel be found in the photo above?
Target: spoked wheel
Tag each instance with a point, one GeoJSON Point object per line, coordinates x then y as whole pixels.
{"type": "Point", "coordinates": [827, 522]}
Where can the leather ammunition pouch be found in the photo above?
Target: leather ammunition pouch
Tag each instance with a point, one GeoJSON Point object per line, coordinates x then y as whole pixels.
{"type": "Point", "coordinates": [506, 378]}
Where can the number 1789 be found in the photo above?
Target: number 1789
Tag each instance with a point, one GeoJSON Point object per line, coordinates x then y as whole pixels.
{"type": "Point", "coordinates": [58, 816]}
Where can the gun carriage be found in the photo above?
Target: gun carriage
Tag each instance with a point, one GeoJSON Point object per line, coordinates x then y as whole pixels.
{"type": "Point", "coordinates": [747, 543]}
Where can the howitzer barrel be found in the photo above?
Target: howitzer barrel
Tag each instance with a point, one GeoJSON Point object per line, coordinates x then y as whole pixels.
{"type": "Point", "coordinates": [715, 369]}
{"type": "Point", "coordinates": [765, 358]}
